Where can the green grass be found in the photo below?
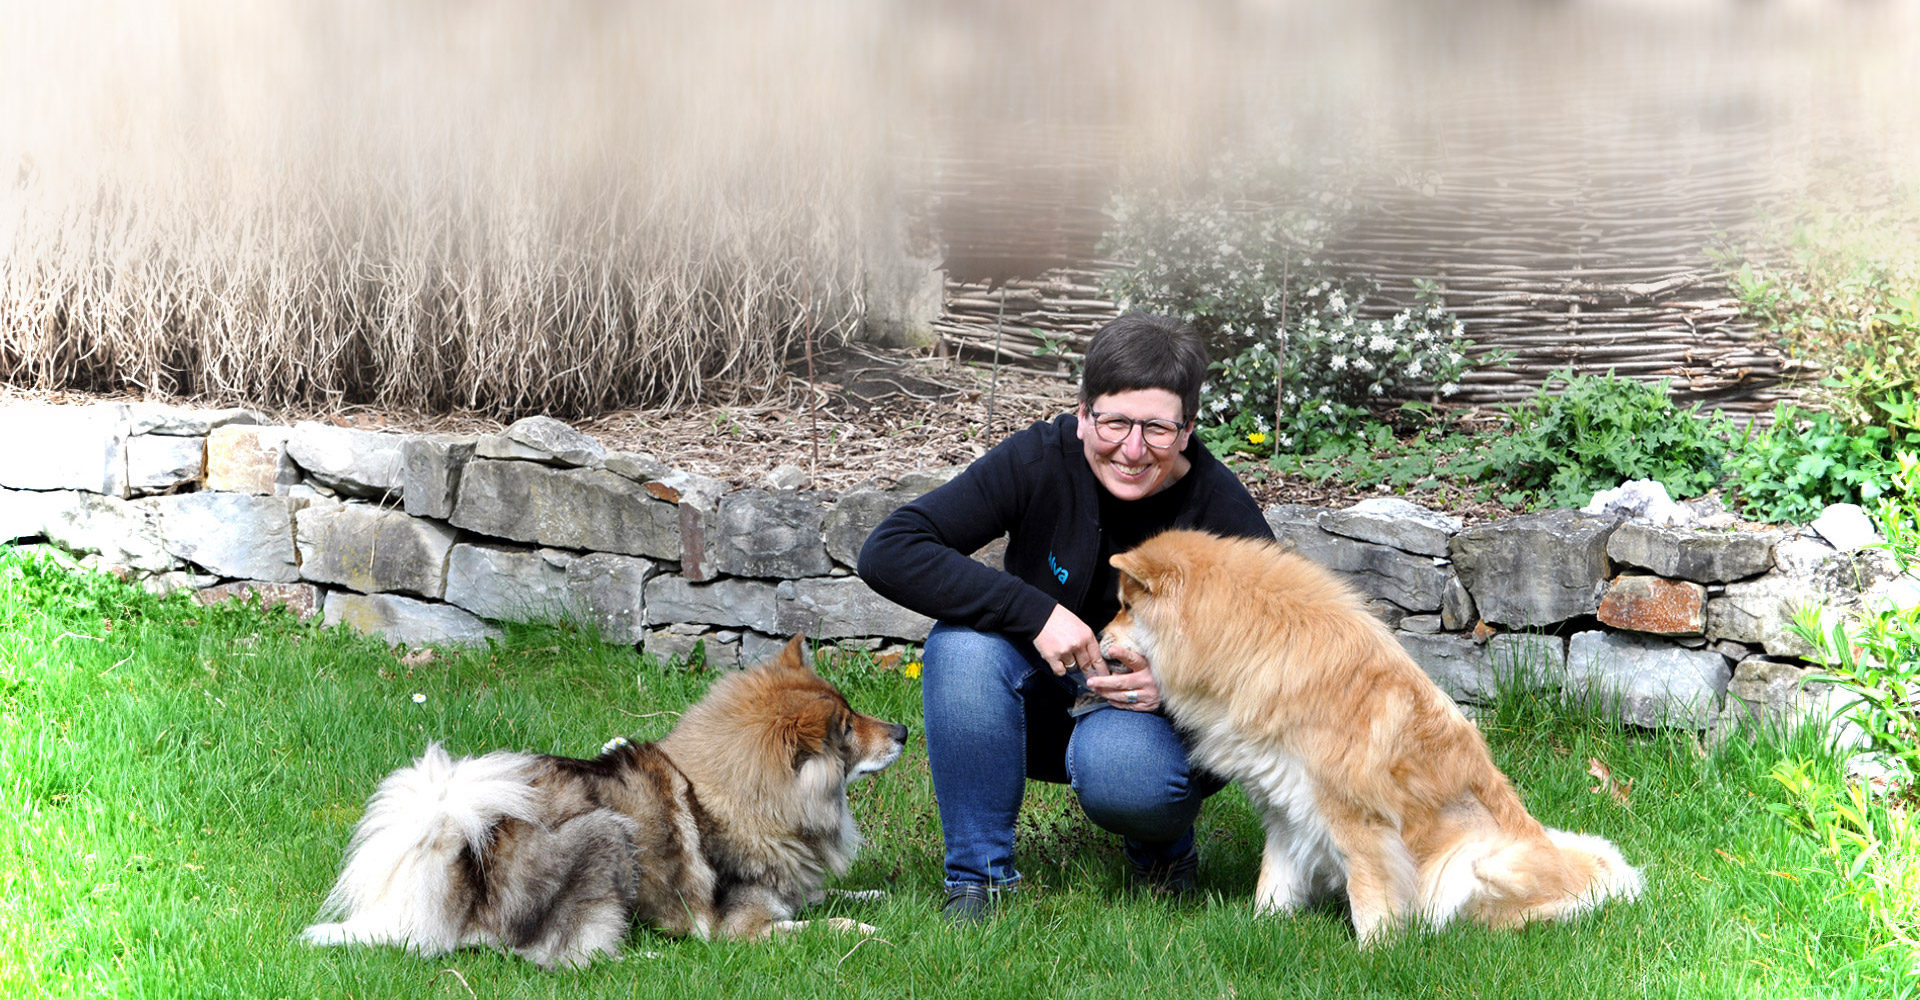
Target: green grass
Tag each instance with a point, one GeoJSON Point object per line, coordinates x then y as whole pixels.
{"type": "Point", "coordinates": [177, 784]}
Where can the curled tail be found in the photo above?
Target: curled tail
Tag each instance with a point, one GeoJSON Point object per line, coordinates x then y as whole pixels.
{"type": "Point", "coordinates": [1496, 793]}
{"type": "Point", "coordinates": [398, 885]}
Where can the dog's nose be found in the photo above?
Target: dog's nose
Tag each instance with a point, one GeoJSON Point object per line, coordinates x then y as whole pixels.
{"type": "Point", "coordinates": [897, 731]}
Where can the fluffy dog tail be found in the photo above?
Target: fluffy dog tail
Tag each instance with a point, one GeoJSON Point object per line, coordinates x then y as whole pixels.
{"type": "Point", "coordinates": [398, 885]}
{"type": "Point", "coordinates": [1563, 876]}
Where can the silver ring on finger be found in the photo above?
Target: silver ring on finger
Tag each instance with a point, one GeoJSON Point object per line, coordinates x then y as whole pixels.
{"type": "Point", "coordinates": [1133, 697]}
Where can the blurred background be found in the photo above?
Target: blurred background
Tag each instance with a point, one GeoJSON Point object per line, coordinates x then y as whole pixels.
{"type": "Point", "coordinates": [573, 206]}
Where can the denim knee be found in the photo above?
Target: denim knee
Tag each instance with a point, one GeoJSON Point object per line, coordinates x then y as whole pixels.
{"type": "Point", "coordinates": [1131, 774]}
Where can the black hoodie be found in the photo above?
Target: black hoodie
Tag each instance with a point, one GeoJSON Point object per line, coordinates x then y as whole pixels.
{"type": "Point", "coordinates": [1036, 488]}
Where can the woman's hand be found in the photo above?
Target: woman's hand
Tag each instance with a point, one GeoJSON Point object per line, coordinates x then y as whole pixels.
{"type": "Point", "coordinates": [1066, 643]}
{"type": "Point", "coordinates": [1135, 689]}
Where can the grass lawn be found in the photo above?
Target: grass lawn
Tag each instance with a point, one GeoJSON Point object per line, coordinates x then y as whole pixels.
{"type": "Point", "coordinates": [177, 784]}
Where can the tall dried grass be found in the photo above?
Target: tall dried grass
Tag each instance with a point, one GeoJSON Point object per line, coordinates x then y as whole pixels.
{"type": "Point", "coordinates": [501, 208]}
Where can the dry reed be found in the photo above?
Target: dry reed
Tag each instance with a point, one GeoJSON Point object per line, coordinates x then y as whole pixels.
{"type": "Point", "coordinates": [543, 221]}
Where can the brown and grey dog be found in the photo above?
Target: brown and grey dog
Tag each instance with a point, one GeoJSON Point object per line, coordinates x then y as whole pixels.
{"type": "Point", "coordinates": [1368, 778]}
{"type": "Point", "coordinates": [726, 827]}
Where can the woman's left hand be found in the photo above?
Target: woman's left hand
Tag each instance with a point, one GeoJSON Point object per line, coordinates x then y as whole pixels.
{"type": "Point", "coordinates": [1135, 689]}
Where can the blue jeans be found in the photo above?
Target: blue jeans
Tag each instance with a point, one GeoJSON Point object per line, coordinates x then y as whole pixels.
{"type": "Point", "coordinates": [996, 716]}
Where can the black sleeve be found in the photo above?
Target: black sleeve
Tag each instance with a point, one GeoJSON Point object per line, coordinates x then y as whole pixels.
{"type": "Point", "coordinates": [919, 557]}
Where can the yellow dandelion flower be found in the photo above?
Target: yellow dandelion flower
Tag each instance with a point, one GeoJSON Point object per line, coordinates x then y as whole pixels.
{"type": "Point", "coordinates": [912, 669]}
{"type": "Point", "coordinates": [1256, 438]}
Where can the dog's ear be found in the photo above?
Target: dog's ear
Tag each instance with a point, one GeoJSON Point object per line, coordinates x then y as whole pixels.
{"type": "Point", "coordinates": [794, 655]}
{"type": "Point", "coordinates": [1152, 568]}
{"type": "Point", "coordinates": [1133, 573]}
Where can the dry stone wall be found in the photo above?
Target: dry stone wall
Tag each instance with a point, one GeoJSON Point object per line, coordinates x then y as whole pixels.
{"type": "Point", "coordinates": [439, 538]}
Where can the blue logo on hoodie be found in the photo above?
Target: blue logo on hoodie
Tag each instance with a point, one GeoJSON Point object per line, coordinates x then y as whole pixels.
{"type": "Point", "coordinates": [1058, 573]}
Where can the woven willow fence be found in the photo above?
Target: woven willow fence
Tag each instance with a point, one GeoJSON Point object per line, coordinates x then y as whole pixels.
{"type": "Point", "coordinates": [1580, 247]}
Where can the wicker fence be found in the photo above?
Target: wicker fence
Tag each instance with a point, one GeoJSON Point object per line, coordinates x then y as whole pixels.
{"type": "Point", "coordinates": [1577, 246]}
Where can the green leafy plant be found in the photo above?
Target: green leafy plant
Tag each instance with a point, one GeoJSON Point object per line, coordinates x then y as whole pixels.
{"type": "Point", "coordinates": [1789, 471]}
{"type": "Point", "coordinates": [1584, 433]}
{"type": "Point", "coordinates": [1871, 851]}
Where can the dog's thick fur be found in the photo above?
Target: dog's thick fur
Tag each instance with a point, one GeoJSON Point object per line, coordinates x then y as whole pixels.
{"type": "Point", "coordinates": [1367, 776]}
{"type": "Point", "coordinates": [725, 827]}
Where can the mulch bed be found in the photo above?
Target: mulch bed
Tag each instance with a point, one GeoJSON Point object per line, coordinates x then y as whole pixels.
{"type": "Point", "coordinates": [864, 416]}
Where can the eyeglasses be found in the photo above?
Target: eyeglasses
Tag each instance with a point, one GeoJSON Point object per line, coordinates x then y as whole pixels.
{"type": "Point", "coordinates": [1115, 428]}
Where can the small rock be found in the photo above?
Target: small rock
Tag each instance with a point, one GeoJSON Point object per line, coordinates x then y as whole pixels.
{"type": "Point", "coordinates": [1846, 526]}
{"type": "Point", "coordinates": [788, 477]}
{"type": "Point", "coordinates": [1643, 500]}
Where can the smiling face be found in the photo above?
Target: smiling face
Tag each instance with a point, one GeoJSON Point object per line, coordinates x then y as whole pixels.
{"type": "Point", "coordinates": [1131, 469]}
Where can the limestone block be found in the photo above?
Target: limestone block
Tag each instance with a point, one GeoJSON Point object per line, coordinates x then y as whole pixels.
{"type": "Point", "coordinates": [1775, 694]}
{"type": "Point", "coordinates": [921, 481]}
{"type": "Point", "coordinates": [762, 534]}
{"type": "Point", "coordinates": [430, 468]}
{"type": "Point", "coordinates": [303, 599]}
{"type": "Point", "coordinates": [610, 591]}
{"type": "Point", "coordinates": [372, 549]}
{"type": "Point", "coordinates": [1392, 521]}
{"type": "Point", "coordinates": [179, 421]}
{"type": "Point", "coordinates": [232, 534]}
{"type": "Point", "coordinates": [733, 603]}
{"type": "Point", "coordinates": [1648, 682]}
{"type": "Point", "coordinates": [638, 466]}
{"type": "Point", "coordinates": [350, 462]}
{"type": "Point", "coordinates": [51, 447]}
{"type": "Point", "coordinates": [1423, 624]}
{"type": "Point", "coordinates": [1846, 526]}
{"type": "Point", "coordinates": [697, 500]}
{"type": "Point", "coordinates": [549, 440]}
{"type": "Point", "coordinates": [1415, 583]}
{"type": "Point", "coordinates": [1689, 554]}
{"type": "Point", "coordinates": [250, 459]}
{"type": "Point", "coordinates": [1457, 612]}
{"type": "Point", "coordinates": [1529, 660]}
{"type": "Point", "coordinates": [1472, 673]}
{"type": "Point", "coordinates": [509, 584]}
{"type": "Point", "coordinates": [24, 513]}
{"type": "Point", "coordinates": [836, 607]}
{"type": "Point", "coordinates": [589, 509]}
{"type": "Point", "coordinates": [118, 534]}
{"type": "Point", "coordinates": [853, 517]}
{"type": "Point", "coordinates": [1289, 520]}
{"type": "Point", "coordinates": [1656, 605]}
{"type": "Point", "coordinates": [1455, 663]}
{"type": "Point", "coordinates": [1757, 612]}
{"type": "Point", "coordinates": [157, 462]}
{"type": "Point", "coordinates": [787, 477]}
{"type": "Point", "coordinates": [672, 645]}
{"type": "Point", "coordinates": [756, 648]}
{"type": "Point", "coordinates": [405, 620]}
{"type": "Point", "coordinates": [1536, 569]}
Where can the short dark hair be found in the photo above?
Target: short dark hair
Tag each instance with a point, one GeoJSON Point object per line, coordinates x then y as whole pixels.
{"type": "Point", "coordinates": [1145, 351]}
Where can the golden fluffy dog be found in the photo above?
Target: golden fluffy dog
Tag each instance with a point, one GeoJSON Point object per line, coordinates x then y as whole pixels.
{"type": "Point", "coordinates": [725, 827]}
{"type": "Point", "coordinates": [1366, 775]}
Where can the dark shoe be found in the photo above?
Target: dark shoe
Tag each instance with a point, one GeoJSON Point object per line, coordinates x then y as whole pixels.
{"type": "Point", "coordinates": [968, 903]}
{"type": "Point", "coordinates": [1179, 877]}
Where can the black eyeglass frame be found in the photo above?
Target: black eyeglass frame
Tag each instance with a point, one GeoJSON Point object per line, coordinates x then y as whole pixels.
{"type": "Point", "coordinates": [1146, 427]}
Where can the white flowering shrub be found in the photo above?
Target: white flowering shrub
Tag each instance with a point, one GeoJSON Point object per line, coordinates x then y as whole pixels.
{"type": "Point", "coordinates": [1244, 262]}
{"type": "Point", "coordinates": [1340, 371]}
{"type": "Point", "coordinates": [1222, 258]}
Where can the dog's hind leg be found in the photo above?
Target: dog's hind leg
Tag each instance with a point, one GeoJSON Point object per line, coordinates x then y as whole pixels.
{"type": "Point", "coordinates": [1380, 876]}
{"type": "Point", "coordinates": [568, 893]}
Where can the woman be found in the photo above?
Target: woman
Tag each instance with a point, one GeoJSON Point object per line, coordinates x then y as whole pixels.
{"type": "Point", "coordinates": [1014, 648]}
